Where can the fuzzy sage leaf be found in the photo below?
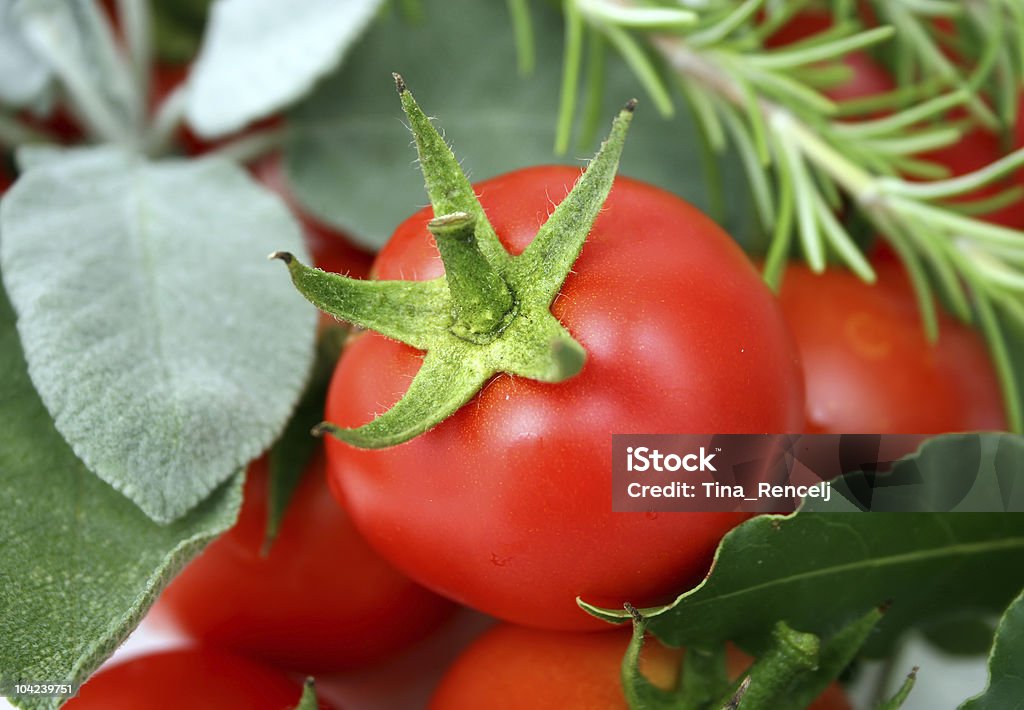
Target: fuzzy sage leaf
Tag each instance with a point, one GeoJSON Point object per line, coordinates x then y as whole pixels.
{"type": "Point", "coordinates": [490, 313]}
{"type": "Point", "coordinates": [168, 352]}
{"type": "Point", "coordinates": [258, 56]}
{"type": "Point", "coordinates": [79, 563]}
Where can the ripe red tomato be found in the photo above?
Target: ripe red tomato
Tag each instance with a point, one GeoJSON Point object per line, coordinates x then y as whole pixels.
{"type": "Point", "coordinates": [515, 668]}
{"type": "Point", "coordinates": [198, 679]}
{"type": "Point", "coordinates": [320, 600]}
{"type": "Point", "coordinates": [331, 249]}
{"type": "Point", "coordinates": [506, 506]}
{"type": "Point", "coordinates": [868, 366]}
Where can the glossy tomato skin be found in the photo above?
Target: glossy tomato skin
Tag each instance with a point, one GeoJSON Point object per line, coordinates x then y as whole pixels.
{"type": "Point", "coordinates": [197, 679]}
{"type": "Point", "coordinates": [515, 668]}
{"type": "Point", "coordinates": [868, 366]}
{"type": "Point", "coordinates": [321, 599]}
{"type": "Point", "coordinates": [506, 506]}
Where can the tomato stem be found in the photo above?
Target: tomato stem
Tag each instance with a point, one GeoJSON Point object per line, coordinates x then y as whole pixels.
{"type": "Point", "coordinates": [481, 301]}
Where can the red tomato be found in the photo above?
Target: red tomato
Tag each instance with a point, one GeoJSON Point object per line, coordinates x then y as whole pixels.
{"type": "Point", "coordinates": [321, 600]}
{"type": "Point", "coordinates": [515, 668]}
{"type": "Point", "coordinates": [868, 366]}
{"type": "Point", "coordinates": [331, 249]}
{"type": "Point", "coordinates": [506, 506]}
{"type": "Point", "coordinates": [197, 679]}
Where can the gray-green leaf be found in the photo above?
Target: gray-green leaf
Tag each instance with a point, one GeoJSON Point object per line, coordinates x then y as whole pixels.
{"type": "Point", "coordinates": [167, 348]}
{"type": "Point", "coordinates": [77, 43]}
{"type": "Point", "coordinates": [258, 56]}
{"type": "Point", "coordinates": [1005, 665]}
{"type": "Point", "coordinates": [348, 153]}
{"type": "Point", "coordinates": [24, 76]}
{"type": "Point", "coordinates": [79, 564]}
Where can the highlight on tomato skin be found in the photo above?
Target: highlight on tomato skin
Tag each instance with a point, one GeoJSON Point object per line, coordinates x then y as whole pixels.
{"type": "Point", "coordinates": [506, 506]}
{"type": "Point", "coordinates": [516, 668]}
{"type": "Point", "coordinates": [195, 678]}
{"type": "Point", "coordinates": [320, 600]}
{"type": "Point", "coordinates": [868, 365]}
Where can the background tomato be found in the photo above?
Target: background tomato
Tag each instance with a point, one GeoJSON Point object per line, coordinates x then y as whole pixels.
{"type": "Point", "coordinates": [515, 668]}
{"type": "Point", "coordinates": [197, 679]}
{"type": "Point", "coordinates": [506, 506]}
{"type": "Point", "coordinates": [868, 366]}
{"type": "Point", "coordinates": [320, 600]}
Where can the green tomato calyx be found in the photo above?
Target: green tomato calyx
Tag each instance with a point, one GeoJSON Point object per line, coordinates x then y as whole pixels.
{"type": "Point", "coordinates": [491, 311]}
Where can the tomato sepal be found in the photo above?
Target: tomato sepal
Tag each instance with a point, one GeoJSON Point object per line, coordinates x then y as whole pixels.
{"type": "Point", "coordinates": [491, 311]}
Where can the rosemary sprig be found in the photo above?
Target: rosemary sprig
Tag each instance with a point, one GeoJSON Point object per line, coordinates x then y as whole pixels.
{"type": "Point", "coordinates": [802, 151]}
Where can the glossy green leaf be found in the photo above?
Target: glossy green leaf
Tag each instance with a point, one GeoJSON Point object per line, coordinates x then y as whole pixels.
{"type": "Point", "coordinates": [258, 56]}
{"type": "Point", "coordinates": [348, 153]}
{"type": "Point", "coordinates": [166, 346]}
{"type": "Point", "coordinates": [1005, 665]}
{"type": "Point", "coordinates": [961, 635]}
{"type": "Point", "coordinates": [79, 563]}
{"type": "Point", "coordinates": [820, 570]}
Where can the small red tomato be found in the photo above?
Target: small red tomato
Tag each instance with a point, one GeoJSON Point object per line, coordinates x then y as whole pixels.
{"type": "Point", "coordinates": [320, 600]}
{"type": "Point", "coordinates": [331, 249]}
{"type": "Point", "coordinates": [197, 679]}
{"type": "Point", "coordinates": [507, 505]}
{"type": "Point", "coordinates": [868, 366]}
{"type": "Point", "coordinates": [515, 668]}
